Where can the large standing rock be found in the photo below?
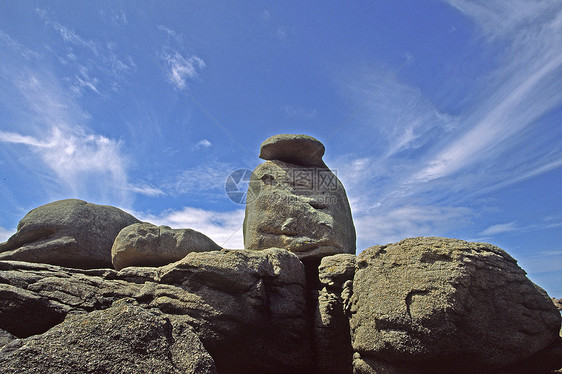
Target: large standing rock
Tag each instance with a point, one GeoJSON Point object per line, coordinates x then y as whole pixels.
{"type": "Point", "coordinates": [297, 203]}
{"type": "Point", "coordinates": [70, 233]}
{"type": "Point", "coordinates": [436, 305]}
{"type": "Point", "coordinates": [121, 339]}
{"type": "Point", "coordinates": [248, 308]}
{"type": "Point", "coordinates": [144, 244]}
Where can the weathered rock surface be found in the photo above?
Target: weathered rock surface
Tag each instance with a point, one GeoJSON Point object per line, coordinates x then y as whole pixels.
{"type": "Point", "coordinates": [557, 303]}
{"type": "Point", "coordinates": [70, 233]}
{"type": "Point", "coordinates": [5, 337]}
{"type": "Point", "coordinates": [144, 244]}
{"type": "Point", "coordinates": [332, 341]}
{"type": "Point", "coordinates": [302, 210]}
{"type": "Point", "coordinates": [436, 305]}
{"type": "Point", "coordinates": [248, 308]}
{"type": "Point", "coordinates": [123, 338]}
{"type": "Point", "coordinates": [302, 150]}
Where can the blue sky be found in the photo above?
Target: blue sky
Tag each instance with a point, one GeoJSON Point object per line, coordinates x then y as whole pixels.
{"type": "Point", "coordinates": [440, 117]}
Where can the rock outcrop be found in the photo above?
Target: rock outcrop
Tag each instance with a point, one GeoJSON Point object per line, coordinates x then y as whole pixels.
{"type": "Point", "coordinates": [300, 207]}
{"type": "Point", "coordinates": [332, 341]}
{"type": "Point", "coordinates": [70, 233]}
{"type": "Point", "coordinates": [248, 308]}
{"type": "Point", "coordinates": [435, 305]}
{"type": "Point", "coordinates": [124, 338]}
{"type": "Point", "coordinates": [557, 303]}
{"type": "Point", "coordinates": [144, 244]}
{"type": "Point", "coordinates": [296, 300]}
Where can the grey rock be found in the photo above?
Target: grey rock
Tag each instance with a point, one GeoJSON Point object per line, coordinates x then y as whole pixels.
{"type": "Point", "coordinates": [300, 150]}
{"type": "Point", "coordinates": [332, 340]}
{"type": "Point", "coordinates": [305, 211]}
{"type": "Point", "coordinates": [443, 305]}
{"type": "Point", "coordinates": [19, 309]}
{"type": "Point", "coordinates": [144, 244]}
{"type": "Point", "coordinates": [70, 233]}
{"type": "Point", "coordinates": [121, 339]}
{"type": "Point", "coordinates": [557, 303]}
{"type": "Point", "coordinates": [336, 270]}
{"type": "Point", "coordinates": [248, 308]}
{"type": "Point", "coordinates": [5, 337]}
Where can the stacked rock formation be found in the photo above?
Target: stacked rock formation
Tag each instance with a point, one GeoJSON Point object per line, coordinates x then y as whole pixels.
{"type": "Point", "coordinates": [172, 301]}
{"type": "Point", "coordinates": [295, 202]}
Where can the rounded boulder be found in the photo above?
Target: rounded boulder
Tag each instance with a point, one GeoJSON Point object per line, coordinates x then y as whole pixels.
{"type": "Point", "coordinates": [144, 244]}
{"type": "Point", "coordinates": [71, 233]}
{"type": "Point", "coordinates": [446, 305]}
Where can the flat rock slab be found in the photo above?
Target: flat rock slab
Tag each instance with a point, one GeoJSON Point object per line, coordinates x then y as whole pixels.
{"type": "Point", "coordinates": [300, 150]}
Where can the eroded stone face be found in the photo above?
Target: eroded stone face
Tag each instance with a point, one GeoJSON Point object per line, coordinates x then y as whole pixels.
{"type": "Point", "coordinates": [302, 209]}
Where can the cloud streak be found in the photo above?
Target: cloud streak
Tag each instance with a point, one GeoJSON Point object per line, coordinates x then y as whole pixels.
{"type": "Point", "coordinates": [181, 69]}
{"type": "Point", "coordinates": [77, 159]}
{"type": "Point", "coordinates": [430, 165]}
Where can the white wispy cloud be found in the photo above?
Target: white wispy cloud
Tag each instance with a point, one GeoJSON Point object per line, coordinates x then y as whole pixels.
{"type": "Point", "coordinates": [181, 69]}
{"type": "Point", "coordinates": [17, 46]}
{"type": "Point", "coordinates": [146, 190]}
{"type": "Point", "coordinates": [171, 33]}
{"type": "Point", "coordinates": [78, 158]}
{"type": "Point", "coordinates": [208, 179]}
{"type": "Point", "coordinates": [281, 32]}
{"type": "Point", "coordinates": [499, 229]}
{"type": "Point", "coordinates": [101, 58]}
{"type": "Point", "coordinates": [5, 234]}
{"type": "Point", "coordinates": [521, 91]}
{"type": "Point", "coordinates": [203, 143]}
{"type": "Point", "coordinates": [515, 14]}
{"type": "Point", "coordinates": [430, 159]}
{"type": "Point", "coordinates": [391, 224]}
{"type": "Point", "coordinates": [300, 112]}
{"type": "Point", "coordinates": [225, 228]}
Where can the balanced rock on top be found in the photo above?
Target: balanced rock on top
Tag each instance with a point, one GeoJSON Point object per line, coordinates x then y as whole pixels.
{"type": "Point", "coordinates": [295, 202]}
{"type": "Point", "coordinates": [301, 150]}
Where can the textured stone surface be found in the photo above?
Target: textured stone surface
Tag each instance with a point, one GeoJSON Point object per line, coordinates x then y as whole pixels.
{"type": "Point", "coordinates": [70, 233]}
{"type": "Point", "coordinates": [332, 340]}
{"type": "Point", "coordinates": [124, 338]}
{"type": "Point", "coordinates": [557, 303]}
{"type": "Point", "coordinates": [446, 305]}
{"type": "Point", "coordinates": [5, 337]}
{"type": "Point", "coordinates": [302, 210]}
{"type": "Point", "coordinates": [300, 150]}
{"type": "Point", "coordinates": [144, 244]}
{"type": "Point", "coordinates": [248, 308]}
